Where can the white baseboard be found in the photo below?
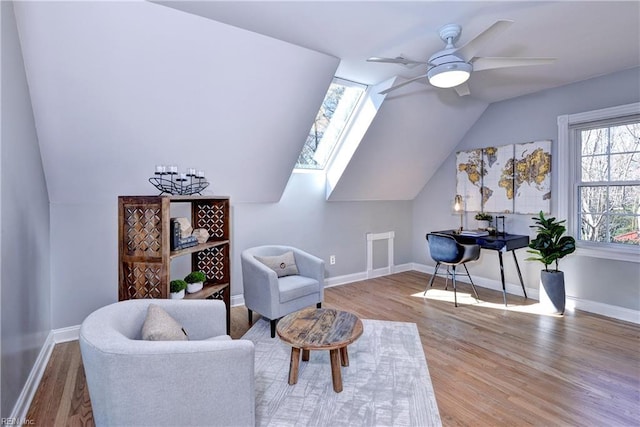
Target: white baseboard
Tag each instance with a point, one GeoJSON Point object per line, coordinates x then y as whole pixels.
{"type": "Point", "coordinates": [343, 280]}
{"type": "Point", "coordinates": [237, 300]}
{"type": "Point", "coordinates": [357, 277]}
{"type": "Point", "coordinates": [20, 409]}
{"type": "Point", "coordinates": [496, 285]}
{"type": "Point", "coordinates": [615, 312]}
{"type": "Point", "coordinates": [72, 333]}
{"type": "Point", "coordinates": [612, 311]}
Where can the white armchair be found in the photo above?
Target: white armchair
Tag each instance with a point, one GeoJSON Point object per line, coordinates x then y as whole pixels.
{"type": "Point", "coordinates": [274, 297]}
{"type": "Point", "coordinates": [197, 382]}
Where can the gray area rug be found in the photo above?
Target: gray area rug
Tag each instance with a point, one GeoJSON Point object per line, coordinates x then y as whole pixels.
{"type": "Point", "coordinates": [387, 381]}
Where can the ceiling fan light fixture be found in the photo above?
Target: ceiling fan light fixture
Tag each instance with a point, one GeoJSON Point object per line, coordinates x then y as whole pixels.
{"type": "Point", "coordinates": [449, 75]}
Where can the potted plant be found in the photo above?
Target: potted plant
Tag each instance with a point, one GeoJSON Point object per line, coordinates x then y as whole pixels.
{"type": "Point", "coordinates": [484, 220]}
{"type": "Point", "coordinates": [177, 287]}
{"type": "Point", "coordinates": [195, 281]}
{"type": "Point", "coordinates": [548, 247]}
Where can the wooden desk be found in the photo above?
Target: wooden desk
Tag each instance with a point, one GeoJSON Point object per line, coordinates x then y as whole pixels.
{"type": "Point", "coordinates": [499, 243]}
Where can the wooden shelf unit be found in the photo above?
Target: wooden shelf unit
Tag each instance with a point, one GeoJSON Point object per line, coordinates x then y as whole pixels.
{"type": "Point", "coordinates": [144, 252]}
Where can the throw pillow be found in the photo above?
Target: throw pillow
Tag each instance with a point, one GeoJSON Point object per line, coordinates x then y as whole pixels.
{"type": "Point", "coordinates": [160, 326]}
{"type": "Point", "coordinates": [283, 265]}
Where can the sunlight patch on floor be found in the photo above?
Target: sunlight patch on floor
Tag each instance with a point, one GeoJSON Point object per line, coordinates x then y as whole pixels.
{"type": "Point", "coordinates": [465, 298]}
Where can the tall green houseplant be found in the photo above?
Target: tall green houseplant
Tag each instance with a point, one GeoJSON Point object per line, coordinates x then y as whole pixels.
{"type": "Point", "coordinates": [550, 245]}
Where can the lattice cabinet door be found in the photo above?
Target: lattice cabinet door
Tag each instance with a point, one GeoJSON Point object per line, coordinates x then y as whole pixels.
{"type": "Point", "coordinates": [143, 247]}
{"type": "Point", "coordinates": [213, 216]}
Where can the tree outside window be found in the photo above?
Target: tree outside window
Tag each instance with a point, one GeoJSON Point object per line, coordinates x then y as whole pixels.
{"type": "Point", "coordinates": [608, 185]}
{"type": "Point", "coordinates": [333, 117]}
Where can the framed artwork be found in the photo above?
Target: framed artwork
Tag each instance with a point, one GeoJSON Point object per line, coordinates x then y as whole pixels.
{"type": "Point", "coordinates": [497, 184]}
{"type": "Point", "coordinates": [469, 178]}
{"type": "Point", "coordinates": [532, 177]}
{"type": "Point", "coordinates": [513, 178]}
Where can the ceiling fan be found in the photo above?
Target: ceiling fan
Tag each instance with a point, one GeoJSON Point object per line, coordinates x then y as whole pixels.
{"type": "Point", "coordinates": [452, 66]}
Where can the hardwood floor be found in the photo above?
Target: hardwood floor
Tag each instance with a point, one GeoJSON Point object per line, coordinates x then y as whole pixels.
{"type": "Point", "coordinates": [490, 366]}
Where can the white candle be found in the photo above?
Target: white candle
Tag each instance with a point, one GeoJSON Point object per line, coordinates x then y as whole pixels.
{"type": "Point", "coordinates": [183, 176]}
{"type": "Point", "coordinates": [158, 169]}
{"type": "Point", "coordinates": [200, 174]}
{"type": "Point", "coordinates": [191, 171]}
{"type": "Point", "coordinates": [173, 169]}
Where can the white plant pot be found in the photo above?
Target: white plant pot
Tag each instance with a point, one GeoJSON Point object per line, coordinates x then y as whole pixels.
{"type": "Point", "coordinates": [194, 287]}
{"type": "Point", "coordinates": [177, 295]}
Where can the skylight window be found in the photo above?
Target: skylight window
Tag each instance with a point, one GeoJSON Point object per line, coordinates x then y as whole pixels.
{"type": "Point", "coordinates": [327, 130]}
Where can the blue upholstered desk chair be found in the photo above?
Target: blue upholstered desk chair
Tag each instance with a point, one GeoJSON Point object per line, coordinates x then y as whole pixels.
{"type": "Point", "coordinates": [444, 249]}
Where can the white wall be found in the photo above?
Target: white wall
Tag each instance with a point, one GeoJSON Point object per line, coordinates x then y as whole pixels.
{"type": "Point", "coordinates": [119, 87]}
{"type": "Point", "coordinates": [24, 247]}
{"type": "Point", "coordinates": [303, 218]}
{"type": "Point", "coordinates": [530, 118]}
{"type": "Point", "coordinates": [85, 261]}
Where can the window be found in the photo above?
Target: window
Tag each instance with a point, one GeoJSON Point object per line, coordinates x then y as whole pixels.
{"type": "Point", "coordinates": [602, 181]}
{"type": "Point", "coordinates": [340, 102]}
{"type": "Point", "coordinates": [608, 185]}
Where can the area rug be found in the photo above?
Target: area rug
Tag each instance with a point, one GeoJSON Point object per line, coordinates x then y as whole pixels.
{"type": "Point", "coordinates": [387, 381]}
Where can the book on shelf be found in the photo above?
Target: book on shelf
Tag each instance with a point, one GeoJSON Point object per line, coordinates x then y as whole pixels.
{"type": "Point", "coordinates": [474, 233]}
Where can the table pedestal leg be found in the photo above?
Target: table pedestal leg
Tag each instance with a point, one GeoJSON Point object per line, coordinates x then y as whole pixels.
{"type": "Point", "coordinates": [344, 356]}
{"type": "Point", "coordinates": [519, 273]}
{"type": "Point", "coordinates": [504, 289]}
{"type": "Point", "coordinates": [293, 366]}
{"type": "Point", "coordinates": [336, 376]}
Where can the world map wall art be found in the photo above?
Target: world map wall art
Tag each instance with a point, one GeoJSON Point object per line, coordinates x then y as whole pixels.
{"type": "Point", "coordinates": [513, 178]}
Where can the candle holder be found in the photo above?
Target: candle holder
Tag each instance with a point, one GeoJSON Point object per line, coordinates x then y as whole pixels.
{"type": "Point", "coordinates": [169, 181]}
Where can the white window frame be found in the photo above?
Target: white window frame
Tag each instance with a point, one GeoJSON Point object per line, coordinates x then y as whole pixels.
{"type": "Point", "coordinates": [567, 188]}
{"type": "Point", "coordinates": [345, 129]}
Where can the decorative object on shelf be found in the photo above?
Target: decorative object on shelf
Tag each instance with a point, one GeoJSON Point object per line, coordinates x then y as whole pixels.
{"type": "Point", "coordinates": [169, 181]}
{"type": "Point", "coordinates": [548, 247]}
{"type": "Point", "coordinates": [176, 288]}
{"type": "Point", "coordinates": [484, 220]}
{"type": "Point", "coordinates": [195, 281]}
{"type": "Point", "coordinates": [185, 226]}
{"type": "Point", "coordinates": [177, 241]}
{"type": "Point", "coordinates": [458, 206]}
{"type": "Point", "coordinates": [201, 234]}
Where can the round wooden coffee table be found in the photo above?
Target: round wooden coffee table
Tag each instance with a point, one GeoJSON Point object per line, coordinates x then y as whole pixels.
{"type": "Point", "coordinates": [320, 329]}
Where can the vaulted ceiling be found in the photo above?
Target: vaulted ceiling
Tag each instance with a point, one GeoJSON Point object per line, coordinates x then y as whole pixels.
{"type": "Point", "coordinates": [233, 87]}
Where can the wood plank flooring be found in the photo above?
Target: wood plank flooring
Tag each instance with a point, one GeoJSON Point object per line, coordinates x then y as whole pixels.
{"type": "Point", "coordinates": [489, 366]}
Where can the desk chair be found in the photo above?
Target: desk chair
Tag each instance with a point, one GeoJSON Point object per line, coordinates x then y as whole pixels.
{"type": "Point", "coordinates": [446, 250]}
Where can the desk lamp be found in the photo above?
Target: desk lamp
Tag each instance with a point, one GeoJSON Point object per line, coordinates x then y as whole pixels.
{"type": "Point", "coordinates": [458, 207]}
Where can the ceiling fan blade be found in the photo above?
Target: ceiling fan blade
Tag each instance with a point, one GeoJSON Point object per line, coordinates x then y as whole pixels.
{"type": "Point", "coordinates": [398, 86]}
{"type": "Point", "coordinates": [470, 49]}
{"type": "Point", "coordinates": [463, 89]}
{"type": "Point", "coordinates": [396, 60]}
{"type": "Point", "coordinates": [488, 63]}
